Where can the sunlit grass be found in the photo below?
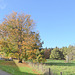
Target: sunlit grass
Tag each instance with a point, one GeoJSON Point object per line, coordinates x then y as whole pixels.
{"type": "Point", "coordinates": [58, 66]}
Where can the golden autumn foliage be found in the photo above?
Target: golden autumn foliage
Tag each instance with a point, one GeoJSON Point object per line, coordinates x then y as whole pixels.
{"type": "Point", "coordinates": [32, 54]}
{"type": "Point", "coordinates": [18, 30]}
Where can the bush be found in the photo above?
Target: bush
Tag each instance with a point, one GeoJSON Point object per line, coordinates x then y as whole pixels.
{"type": "Point", "coordinates": [40, 57]}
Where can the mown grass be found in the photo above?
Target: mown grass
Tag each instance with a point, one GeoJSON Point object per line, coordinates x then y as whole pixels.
{"type": "Point", "coordinates": [58, 66]}
{"type": "Point", "coordinates": [14, 68]}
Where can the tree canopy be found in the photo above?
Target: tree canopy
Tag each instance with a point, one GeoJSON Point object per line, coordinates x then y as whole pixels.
{"type": "Point", "coordinates": [19, 29]}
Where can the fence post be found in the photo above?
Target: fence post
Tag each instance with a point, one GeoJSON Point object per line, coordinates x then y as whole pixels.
{"type": "Point", "coordinates": [60, 73]}
{"type": "Point", "coordinates": [38, 66]}
{"type": "Point", "coordinates": [49, 71]}
{"type": "Point", "coordinates": [42, 68]}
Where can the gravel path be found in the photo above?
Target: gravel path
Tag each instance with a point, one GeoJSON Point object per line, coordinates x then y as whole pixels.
{"type": "Point", "coordinates": [4, 73]}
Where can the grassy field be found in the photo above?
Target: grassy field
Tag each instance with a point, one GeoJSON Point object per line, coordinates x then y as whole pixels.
{"type": "Point", "coordinates": [58, 66]}
{"type": "Point", "coordinates": [16, 68]}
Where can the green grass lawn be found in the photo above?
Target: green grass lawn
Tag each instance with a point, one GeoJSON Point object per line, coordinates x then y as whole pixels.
{"type": "Point", "coordinates": [15, 68]}
{"type": "Point", "coordinates": [58, 66]}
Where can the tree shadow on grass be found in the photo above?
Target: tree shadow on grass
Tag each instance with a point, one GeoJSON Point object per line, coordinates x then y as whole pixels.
{"type": "Point", "coordinates": [12, 68]}
{"type": "Point", "coordinates": [60, 64]}
{"type": "Point", "coordinates": [24, 73]}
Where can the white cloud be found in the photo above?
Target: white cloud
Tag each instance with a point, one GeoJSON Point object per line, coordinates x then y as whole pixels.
{"type": "Point", "coordinates": [2, 4]}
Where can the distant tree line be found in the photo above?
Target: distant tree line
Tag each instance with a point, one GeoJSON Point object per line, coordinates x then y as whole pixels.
{"type": "Point", "coordinates": [60, 53]}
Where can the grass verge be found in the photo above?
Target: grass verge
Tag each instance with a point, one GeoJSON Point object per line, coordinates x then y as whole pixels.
{"type": "Point", "coordinates": [15, 68]}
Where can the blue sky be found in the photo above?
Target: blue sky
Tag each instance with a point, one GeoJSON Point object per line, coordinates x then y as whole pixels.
{"type": "Point", "coordinates": [55, 19]}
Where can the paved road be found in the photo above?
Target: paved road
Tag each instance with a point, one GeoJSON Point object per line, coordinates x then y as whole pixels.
{"type": "Point", "coordinates": [4, 73]}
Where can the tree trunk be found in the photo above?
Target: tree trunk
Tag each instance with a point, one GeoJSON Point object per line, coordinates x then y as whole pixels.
{"type": "Point", "coordinates": [20, 60]}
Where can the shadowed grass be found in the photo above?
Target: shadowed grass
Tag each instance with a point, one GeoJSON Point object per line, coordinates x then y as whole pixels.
{"type": "Point", "coordinates": [60, 64]}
